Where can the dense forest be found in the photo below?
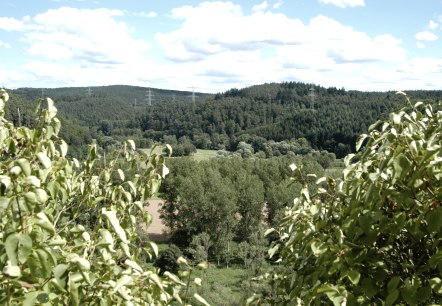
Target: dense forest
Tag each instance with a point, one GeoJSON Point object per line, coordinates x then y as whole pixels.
{"type": "Point", "coordinates": [328, 118]}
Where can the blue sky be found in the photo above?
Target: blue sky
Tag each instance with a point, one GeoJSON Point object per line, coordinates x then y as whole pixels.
{"type": "Point", "coordinates": [213, 46]}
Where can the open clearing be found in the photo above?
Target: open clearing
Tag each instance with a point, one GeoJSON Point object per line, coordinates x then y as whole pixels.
{"type": "Point", "coordinates": [155, 231]}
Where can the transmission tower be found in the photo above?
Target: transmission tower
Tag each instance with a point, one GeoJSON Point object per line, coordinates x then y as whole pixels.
{"type": "Point", "coordinates": [89, 91]}
{"type": "Point", "coordinates": [193, 94]}
{"type": "Point", "coordinates": [149, 97]}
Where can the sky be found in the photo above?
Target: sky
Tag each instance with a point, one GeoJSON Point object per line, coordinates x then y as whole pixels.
{"type": "Point", "coordinates": [213, 46]}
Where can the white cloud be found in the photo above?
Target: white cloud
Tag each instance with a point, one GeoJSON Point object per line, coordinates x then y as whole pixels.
{"type": "Point", "coordinates": [84, 35]}
{"type": "Point", "coordinates": [260, 7]}
{"type": "Point", "coordinates": [426, 36]}
{"type": "Point", "coordinates": [231, 30]}
{"type": "Point", "coordinates": [146, 14]}
{"type": "Point", "coordinates": [344, 3]}
{"type": "Point", "coordinates": [221, 43]}
{"type": "Point", "coordinates": [433, 25]}
{"type": "Point", "coordinates": [215, 46]}
{"type": "Point", "coordinates": [422, 66]}
{"type": "Point", "coordinates": [278, 4]}
{"type": "Point", "coordinates": [10, 24]}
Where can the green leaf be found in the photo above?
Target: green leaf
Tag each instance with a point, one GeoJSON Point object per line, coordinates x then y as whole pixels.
{"type": "Point", "coordinates": [122, 281]}
{"type": "Point", "coordinates": [41, 196]}
{"type": "Point", "coordinates": [44, 222]}
{"type": "Point", "coordinates": [174, 278]}
{"type": "Point", "coordinates": [131, 143]}
{"type": "Point", "coordinates": [436, 285]}
{"type": "Point", "coordinates": [393, 283]}
{"type": "Point", "coordinates": [318, 248]}
{"type": "Point", "coordinates": [61, 274]}
{"type": "Point", "coordinates": [401, 165]}
{"type": "Point", "coordinates": [200, 299]}
{"type": "Point", "coordinates": [30, 198]}
{"type": "Point", "coordinates": [73, 293]}
{"type": "Point", "coordinates": [434, 219]}
{"type": "Point", "coordinates": [12, 271]}
{"type": "Point", "coordinates": [106, 239]}
{"type": "Point", "coordinates": [354, 276]}
{"type": "Point", "coordinates": [52, 110]}
{"type": "Point", "coordinates": [391, 297]}
{"type": "Point", "coordinates": [44, 160]}
{"type": "Point", "coordinates": [24, 248]}
{"type": "Point", "coordinates": [112, 217]}
{"type": "Point", "coordinates": [24, 165]}
{"type": "Point", "coordinates": [197, 281]}
{"type": "Point", "coordinates": [121, 174]}
{"type": "Point", "coordinates": [369, 287]}
{"type": "Point", "coordinates": [203, 265]}
{"type": "Point", "coordinates": [156, 280]}
{"type": "Point", "coordinates": [30, 298]}
{"type": "Point", "coordinates": [409, 294]}
{"type": "Point", "coordinates": [63, 148]}
{"type": "Point", "coordinates": [360, 141]}
{"type": "Point", "coordinates": [154, 248]}
{"type": "Point", "coordinates": [133, 265]}
{"type": "Point", "coordinates": [4, 203]}
{"type": "Point", "coordinates": [33, 180]}
{"type": "Point", "coordinates": [11, 245]}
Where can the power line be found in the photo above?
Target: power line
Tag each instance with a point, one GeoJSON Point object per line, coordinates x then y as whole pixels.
{"type": "Point", "coordinates": [193, 94]}
{"type": "Point", "coordinates": [149, 96]}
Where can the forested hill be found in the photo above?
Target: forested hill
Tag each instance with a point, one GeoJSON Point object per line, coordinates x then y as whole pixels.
{"type": "Point", "coordinates": [331, 120]}
{"type": "Point", "coordinates": [117, 102]}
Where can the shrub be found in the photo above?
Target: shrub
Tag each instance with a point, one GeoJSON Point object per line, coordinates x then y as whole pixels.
{"type": "Point", "coordinates": [167, 260]}
{"type": "Point", "coordinates": [374, 238]}
{"type": "Point", "coordinates": [47, 253]}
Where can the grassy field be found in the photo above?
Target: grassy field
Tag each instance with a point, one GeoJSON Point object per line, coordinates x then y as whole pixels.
{"type": "Point", "coordinates": [198, 156]}
{"type": "Point", "coordinates": [204, 154]}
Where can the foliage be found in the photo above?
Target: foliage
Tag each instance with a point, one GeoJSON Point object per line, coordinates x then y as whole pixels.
{"type": "Point", "coordinates": [68, 230]}
{"type": "Point", "coordinates": [167, 259]}
{"type": "Point", "coordinates": [374, 238]}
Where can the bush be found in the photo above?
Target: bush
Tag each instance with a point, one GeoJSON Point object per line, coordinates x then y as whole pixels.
{"type": "Point", "coordinates": [374, 238]}
{"type": "Point", "coordinates": [47, 254]}
{"type": "Point", "coordinates": [167, 260]}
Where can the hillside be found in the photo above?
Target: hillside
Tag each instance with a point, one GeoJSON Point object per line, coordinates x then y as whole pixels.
{"type": "Point", "coordinates": [329, 118]}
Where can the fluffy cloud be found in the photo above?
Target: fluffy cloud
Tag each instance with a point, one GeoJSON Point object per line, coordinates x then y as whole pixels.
{"type": "Point", "coordinates": [278, 4]}
{"type": "Point", "coordinates": [89, 36]}
{"type": "Point", "coordinates": [425, 36]}
{"type": "Point", "coordinates": [260, 7]}
{"type": "Point", "coordinates": [10, 24]}
{"type": "Point", "coordinates": [219, 41]}
{"type": "Point", "coordinates": [91, 46]}
{"type": "Point", "coordinates": [214, 46]}
{"type": "Point", "coordinates": [146, 14]}
{"type": "Point", "coordinates": [344, 3]}
{"type": "Point", "coordinates": [205, 34]}
{"type": "Point", "coordinates": [433, 25]}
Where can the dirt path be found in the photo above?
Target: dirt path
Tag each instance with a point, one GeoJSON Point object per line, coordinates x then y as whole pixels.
{"type": "Point", "coordinates": [156, 229]}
